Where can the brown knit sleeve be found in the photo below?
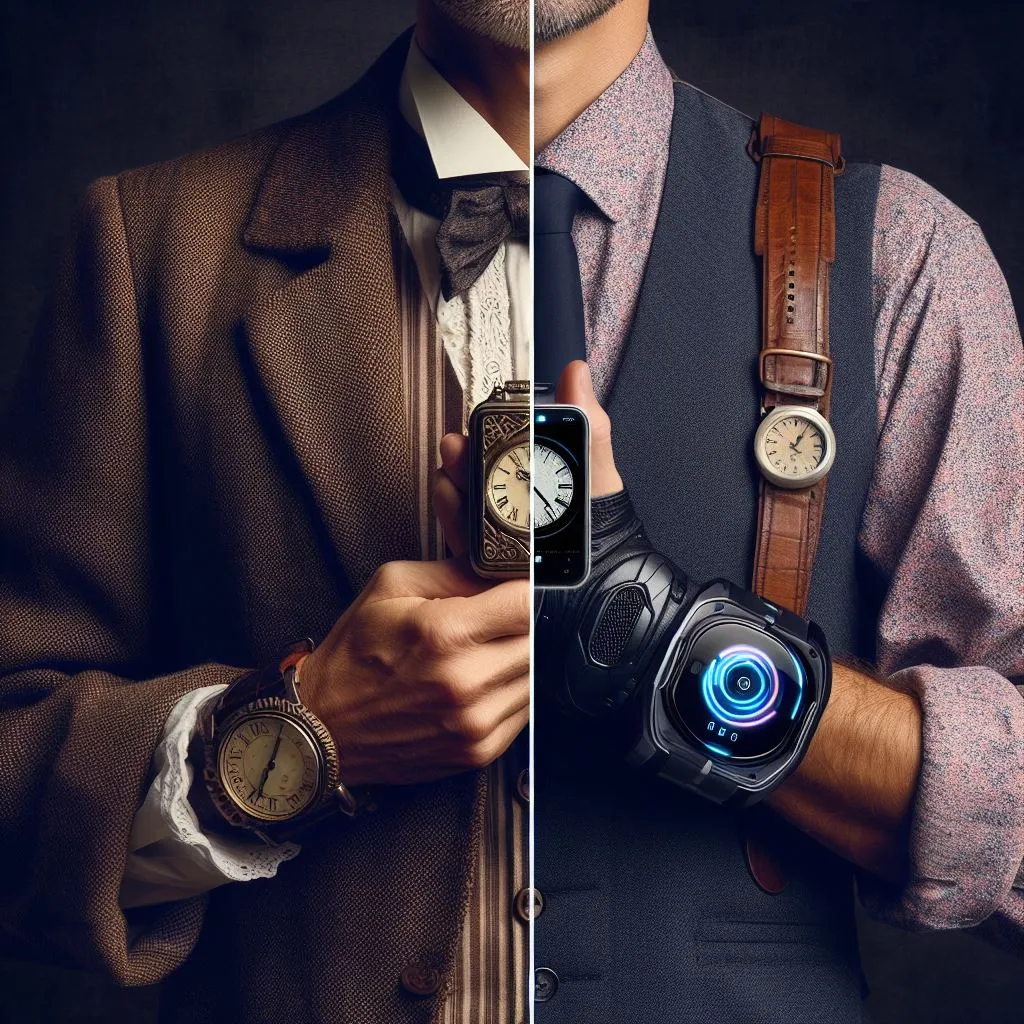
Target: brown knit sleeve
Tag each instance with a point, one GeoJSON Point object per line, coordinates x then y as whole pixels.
{"type": "Point", "coordinates": [79, 719]}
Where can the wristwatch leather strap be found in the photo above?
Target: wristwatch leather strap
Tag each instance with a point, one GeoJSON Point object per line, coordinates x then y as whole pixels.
{"type": "Point", "coordinates": [272, 680]}
{"type": "Point", "coordinates": [795, 234]}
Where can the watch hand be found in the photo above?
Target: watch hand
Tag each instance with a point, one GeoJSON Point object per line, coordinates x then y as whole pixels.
{"type": "Point", "coordinates": [522, 474]}
{"type": "Point", "coordinates": [542, 498]}
{"type": "Point", "coordinates": [270, 763]}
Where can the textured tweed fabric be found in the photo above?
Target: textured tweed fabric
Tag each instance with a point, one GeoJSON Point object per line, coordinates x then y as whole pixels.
{"type": "Point", "coordinates": [207, 458]}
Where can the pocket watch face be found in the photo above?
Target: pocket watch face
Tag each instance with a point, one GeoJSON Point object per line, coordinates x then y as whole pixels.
{"type": "Point", "coordinates": [794, 446]}
{"type": "Point", "coordinates": [270, 767]}
{"type": "Point", "coordinates": [508, 487]}
{"type": "Point", "coordinates": [553, 486]}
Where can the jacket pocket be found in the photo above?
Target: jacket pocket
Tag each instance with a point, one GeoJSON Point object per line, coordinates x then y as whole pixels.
{"type": "Point", "coordinates": [766, 941]}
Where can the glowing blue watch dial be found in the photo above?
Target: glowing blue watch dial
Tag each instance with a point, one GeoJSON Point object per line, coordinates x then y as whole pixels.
{"type": "Point", "coordinates": [741, 693]}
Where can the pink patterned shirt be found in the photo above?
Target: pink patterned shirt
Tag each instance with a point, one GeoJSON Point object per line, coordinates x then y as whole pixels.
{"type": "Point", "coordinates": [944, 519]}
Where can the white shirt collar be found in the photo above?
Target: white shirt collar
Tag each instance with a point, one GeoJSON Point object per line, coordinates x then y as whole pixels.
{"type": "Point", "coordinates": [460, 140]}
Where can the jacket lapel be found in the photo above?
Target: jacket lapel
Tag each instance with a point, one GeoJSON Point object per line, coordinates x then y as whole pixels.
{"type": "Point", "coordinates": [326, 344]}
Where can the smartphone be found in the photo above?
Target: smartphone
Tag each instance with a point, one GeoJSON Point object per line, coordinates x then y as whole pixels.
{"type": "Point", "coordinates": [560, 486]}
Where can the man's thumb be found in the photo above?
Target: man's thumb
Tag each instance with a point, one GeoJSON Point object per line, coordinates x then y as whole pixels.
{"type": "Point", "coordinates": [576, 388]}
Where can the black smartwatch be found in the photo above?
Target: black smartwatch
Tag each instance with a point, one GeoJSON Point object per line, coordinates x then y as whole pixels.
{"type": "Point", "coordinates": [705, 685]}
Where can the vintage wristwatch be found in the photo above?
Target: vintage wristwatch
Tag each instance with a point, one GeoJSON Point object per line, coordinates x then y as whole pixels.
{"type": "Point", "coordinates": [269, 764]}
{"type": "Point", "coordinates": [500, 493]}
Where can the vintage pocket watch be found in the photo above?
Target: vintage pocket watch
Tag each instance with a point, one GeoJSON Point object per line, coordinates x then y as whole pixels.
{"type": "Point", "coordinates": [500, 488]}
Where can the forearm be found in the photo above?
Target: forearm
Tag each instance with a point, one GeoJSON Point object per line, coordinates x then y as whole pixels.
{"type": "Point", "coordinates": [854, 790]}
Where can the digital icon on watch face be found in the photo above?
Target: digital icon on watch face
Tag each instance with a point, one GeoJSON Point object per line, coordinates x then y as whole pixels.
{"type": "Point", "coordinates": [560, 496]}
{"type": "Point", "coordinates": [741, 693]}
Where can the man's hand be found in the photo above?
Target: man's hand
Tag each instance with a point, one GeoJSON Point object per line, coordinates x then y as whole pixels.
{"type": "Point", "coordinates": [576, 388]}
{"type": "Point", "coordinates": [425, 675]}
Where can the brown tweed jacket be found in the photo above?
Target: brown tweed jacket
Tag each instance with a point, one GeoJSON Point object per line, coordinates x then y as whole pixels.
{"type": "Point", "coordinates": [207, 457]}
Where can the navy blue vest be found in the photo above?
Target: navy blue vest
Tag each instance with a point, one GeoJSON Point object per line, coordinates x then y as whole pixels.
{"type": "Point", "coordinates": [651, 914]}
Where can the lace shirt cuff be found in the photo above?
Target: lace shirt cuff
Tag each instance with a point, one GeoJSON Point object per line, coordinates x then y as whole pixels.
{"type": "Point", "coordinates": [169, 855]}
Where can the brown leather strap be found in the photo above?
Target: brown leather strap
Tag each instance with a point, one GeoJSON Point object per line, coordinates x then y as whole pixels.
{"type": "Point", "coordinates": [795, 234]}
{"type": "Point", "coordinates": [272, 680]}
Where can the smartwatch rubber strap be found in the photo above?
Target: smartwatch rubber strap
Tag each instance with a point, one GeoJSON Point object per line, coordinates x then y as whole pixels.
{"type": "Point", "coordinates": [795, 234]}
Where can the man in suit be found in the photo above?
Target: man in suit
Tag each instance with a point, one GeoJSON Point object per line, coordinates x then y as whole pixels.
{"type": "Point", "coordinates": [659, 905]}
{"type": "Point", "coordinates": [224, 440]}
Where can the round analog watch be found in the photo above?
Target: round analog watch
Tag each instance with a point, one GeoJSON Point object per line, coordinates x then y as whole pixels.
{"type": "Point", "coordinates": [794, 446]}
{"type": "Point", "coordinates": [270, 765]}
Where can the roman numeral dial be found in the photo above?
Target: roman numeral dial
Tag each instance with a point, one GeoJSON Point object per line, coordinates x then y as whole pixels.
{"type": "Point", "coordinates": [270, 767]}
{"type": "Point", "coordinates": [554, 485]}
{"type": "Point", "coordinates": [508, 488]}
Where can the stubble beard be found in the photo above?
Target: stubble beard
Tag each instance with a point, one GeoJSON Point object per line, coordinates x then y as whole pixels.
{"type": "Point", "coordinates": [556, 19]}
{"type": "Point", "coordinates": [508, 21]}
{"type": "Point", "coordinates": [502, 21]}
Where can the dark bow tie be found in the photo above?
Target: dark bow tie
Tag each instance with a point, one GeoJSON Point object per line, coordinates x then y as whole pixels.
{"type": "Point", "coordinates": [477, 213]}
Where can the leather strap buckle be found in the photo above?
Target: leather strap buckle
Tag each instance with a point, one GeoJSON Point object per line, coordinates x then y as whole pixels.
{"type": "Point", "coordinates": [800, 390]}
{"type": "Point", "coordinates": [797, 146]}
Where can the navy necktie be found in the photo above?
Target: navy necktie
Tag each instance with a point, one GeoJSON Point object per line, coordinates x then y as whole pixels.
{"type": "Point", "coordinates": [559, 331]}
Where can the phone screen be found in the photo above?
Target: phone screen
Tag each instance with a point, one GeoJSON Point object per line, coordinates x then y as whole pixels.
{"type": "Point", "coordinates": [560, 487]}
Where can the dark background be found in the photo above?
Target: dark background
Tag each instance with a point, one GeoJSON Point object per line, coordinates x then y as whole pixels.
{"type": "Point", "coordinates": [92, 88]}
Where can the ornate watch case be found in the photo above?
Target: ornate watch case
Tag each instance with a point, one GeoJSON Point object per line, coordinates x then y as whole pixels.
{"type": "Point", "coordinates": [500, 494]}
{"type": "Point", "coordinates": [271, 766]}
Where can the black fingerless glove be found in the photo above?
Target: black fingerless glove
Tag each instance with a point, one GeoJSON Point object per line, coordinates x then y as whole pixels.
{"type": "Point", "coordinates": [596, 643]}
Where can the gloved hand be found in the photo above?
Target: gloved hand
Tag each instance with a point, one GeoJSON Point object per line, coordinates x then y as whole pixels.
{"type": "Point", "coordinates": [595, 643]}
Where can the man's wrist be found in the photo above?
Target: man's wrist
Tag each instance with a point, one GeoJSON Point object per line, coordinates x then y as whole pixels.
{"type": "Point", "coordinates": [613, 520]}
{"type": "Point", "coordinates": [610, 512]}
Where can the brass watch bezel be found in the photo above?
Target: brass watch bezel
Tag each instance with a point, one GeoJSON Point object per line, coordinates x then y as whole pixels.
{"type": "Point", "coordinates": [789, 483]}
{"type": "Point", "coordinates": [309, 726]}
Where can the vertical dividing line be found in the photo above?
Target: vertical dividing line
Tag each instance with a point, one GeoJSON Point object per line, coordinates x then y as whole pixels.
{"type": "Point", "coordinates": [531, 805]}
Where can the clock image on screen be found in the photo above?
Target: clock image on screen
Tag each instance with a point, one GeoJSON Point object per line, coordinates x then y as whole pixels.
{"type": "Point", "coordinates": [554, 485]}
{"type": "Point", "coordinates": [560, 497]}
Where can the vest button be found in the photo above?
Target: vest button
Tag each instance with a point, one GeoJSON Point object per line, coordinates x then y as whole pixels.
{"type": "Point", "coordinates": [529, 904]}
{"type": "Point", "coordinates": [523, 786]}
{"type": "Point", "coordinates": [545, 984]}
{"type": "Point", "coordinates": [419, 979]}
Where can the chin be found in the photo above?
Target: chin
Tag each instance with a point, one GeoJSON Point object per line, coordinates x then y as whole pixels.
{"type": "Point", "coordinates": [502, 21]}
{"type": "Point", "coordinates": [556, 19]}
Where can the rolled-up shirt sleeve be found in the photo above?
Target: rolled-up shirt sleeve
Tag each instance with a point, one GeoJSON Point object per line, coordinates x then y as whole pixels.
{"type": "Point", "coordinates": [944, 524]}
